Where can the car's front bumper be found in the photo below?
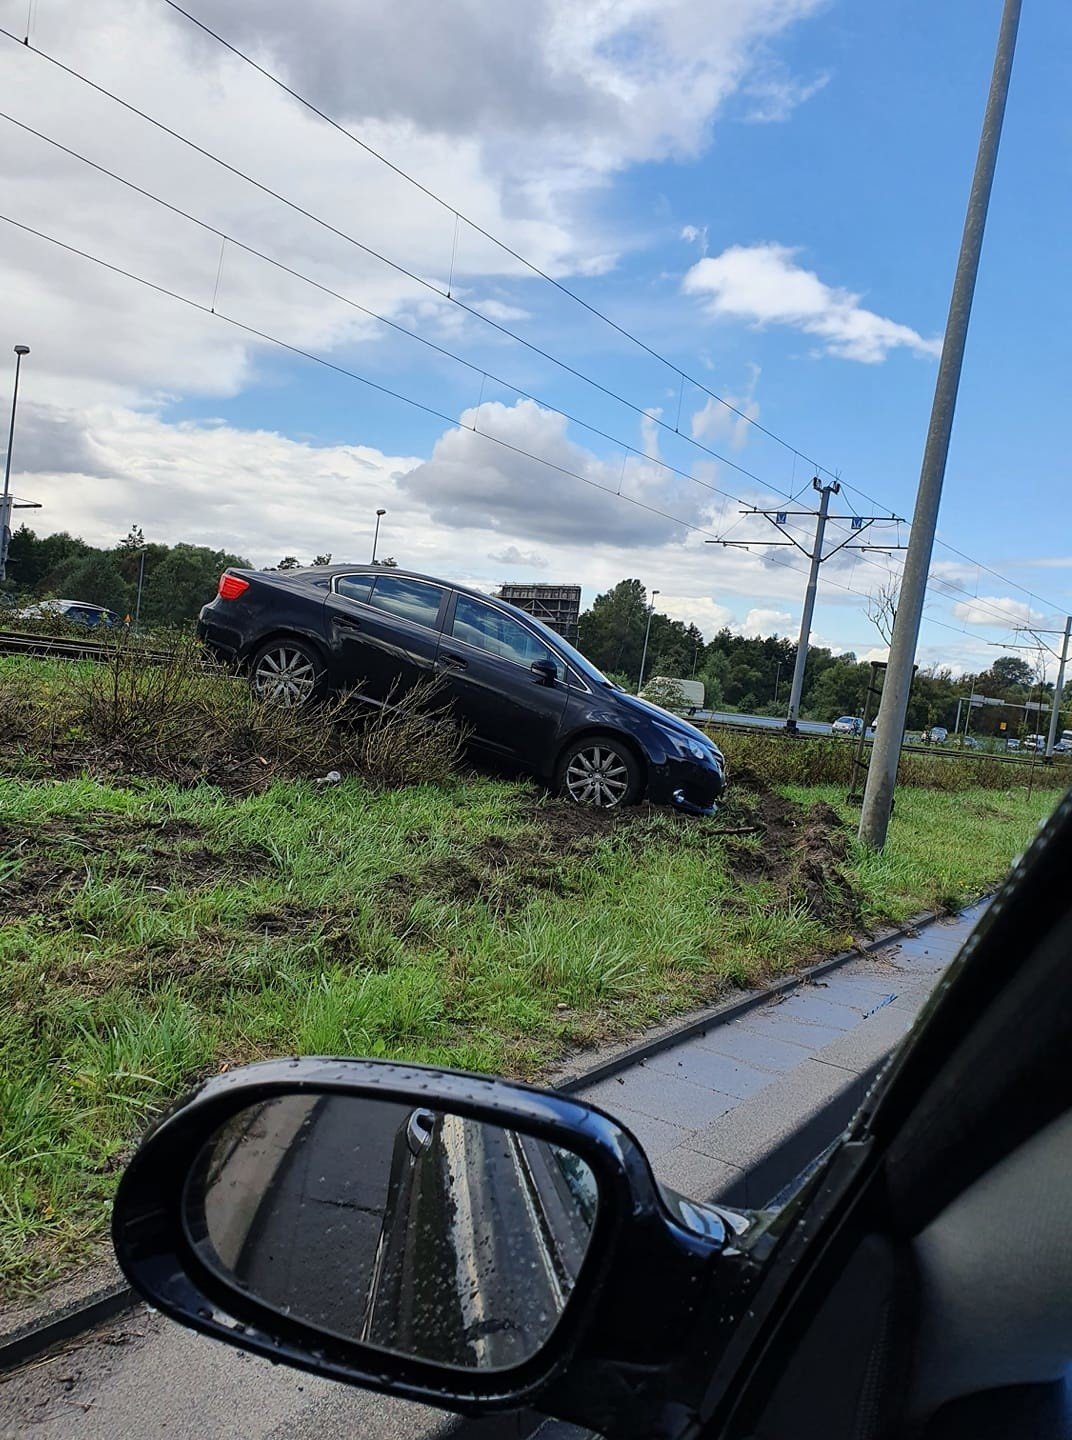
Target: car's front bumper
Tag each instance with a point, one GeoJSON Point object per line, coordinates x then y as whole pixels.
{"type": "Point", "coordinates": [691, 786]}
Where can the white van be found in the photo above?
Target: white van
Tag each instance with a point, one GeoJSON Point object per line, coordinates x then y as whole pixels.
{"type": "Point", "coordinates": [661, 689]}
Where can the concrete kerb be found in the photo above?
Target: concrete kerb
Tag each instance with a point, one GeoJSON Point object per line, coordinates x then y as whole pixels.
{"type": "Point", "coordinates": [82, 1313]}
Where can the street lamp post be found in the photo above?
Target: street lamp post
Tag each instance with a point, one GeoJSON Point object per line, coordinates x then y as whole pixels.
{"type": "Point", "coordinates": [5, 505]}
{"type": "Point", "coordinates": [376, 536]}
{"type": "Point", "coordinates": [647, 632]}
{"type": "Point", "coordinates": [141, 582]}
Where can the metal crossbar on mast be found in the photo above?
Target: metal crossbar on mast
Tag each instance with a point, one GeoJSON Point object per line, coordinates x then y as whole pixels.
{"type": "Point", "coordinates": [816, 557]}
{"type": "Point", "coordinates": [1061, 656]}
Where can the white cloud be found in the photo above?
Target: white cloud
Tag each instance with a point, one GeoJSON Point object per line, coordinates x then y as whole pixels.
{"type": "Point", "coordinates": [763, 284]}
{"type": "Point", "coordinates": [700, 610]}
{"type": "Point", "coordinates": [762, 621]}
{"type": "Point", "coordinates": [586, 88]}
{"type": "Point", "coordinates": [501, 312]}
{"type": "Point", "coordinates": [695, 235]}
{"type": "Point", "coordinates": [1009, 611]}
{"type": "Point", "coordinates": [512, 555]}
{"type": "Point", "coordinates": [570, 494]}
{"type": "Point", "coordinates": [775, 96]}
{"type": "Point", "coordinates": [715, 420]}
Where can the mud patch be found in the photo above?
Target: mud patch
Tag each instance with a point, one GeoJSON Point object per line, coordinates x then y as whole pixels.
{"type": "Point", "coordinates": [41, 864]}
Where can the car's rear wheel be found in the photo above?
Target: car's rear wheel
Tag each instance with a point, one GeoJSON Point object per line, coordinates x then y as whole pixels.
{"type": "Point", "coordinates": [599, 770]}
{"type": "Point", "coordinates": [287, 671]}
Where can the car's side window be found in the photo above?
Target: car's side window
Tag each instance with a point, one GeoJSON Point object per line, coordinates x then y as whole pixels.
{"type": "Point", "coordinates": [354, 587]}
{"type": "Point", "coordinates": [413, 600]}
{"type": "Point", "coordinates": [489, 629]}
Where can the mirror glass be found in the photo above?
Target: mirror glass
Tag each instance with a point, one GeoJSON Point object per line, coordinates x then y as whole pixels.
{"type": "Point", "coordinates": [416, 1231]}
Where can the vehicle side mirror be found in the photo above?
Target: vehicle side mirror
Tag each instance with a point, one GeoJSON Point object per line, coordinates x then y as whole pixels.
{"type": "Point", "coordinates": [446, 1237]}
{"type": "Point", "coordinates": [546, 671]}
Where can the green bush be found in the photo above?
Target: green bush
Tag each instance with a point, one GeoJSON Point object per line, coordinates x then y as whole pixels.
{"type": "Point", "coordinates": [778, 759]}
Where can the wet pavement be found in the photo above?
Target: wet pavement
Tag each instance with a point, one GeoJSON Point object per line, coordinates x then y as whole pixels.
{"type": "Point", "coordinates": [729, 1112]}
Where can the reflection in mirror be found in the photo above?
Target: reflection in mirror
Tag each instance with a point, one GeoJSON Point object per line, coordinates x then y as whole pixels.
{"type": "Point", "coordinates": [416, 1231]}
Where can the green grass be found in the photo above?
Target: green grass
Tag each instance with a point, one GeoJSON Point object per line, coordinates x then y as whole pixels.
{"type": "Point", "coordinates": [154, 934]}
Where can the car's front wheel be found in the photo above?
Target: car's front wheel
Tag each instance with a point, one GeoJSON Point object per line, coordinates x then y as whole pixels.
{"type": "Point", "coordinates": [599, 770]}
{"type": "Point", "coordinates": [287, 671]}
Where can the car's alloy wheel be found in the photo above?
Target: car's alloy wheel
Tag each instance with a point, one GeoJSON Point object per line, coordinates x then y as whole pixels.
{"type": "Point", "coordinates": [597, 774]}
{"type": "Point", "coordinates": [286, 673]}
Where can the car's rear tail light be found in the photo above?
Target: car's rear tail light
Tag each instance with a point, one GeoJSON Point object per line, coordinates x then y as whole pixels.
{"type": "Point", "coordinates": [231, 587]}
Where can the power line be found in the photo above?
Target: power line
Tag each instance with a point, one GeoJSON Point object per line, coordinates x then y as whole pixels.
{"type": "Point", "coordinates": [227, 238]}
{"type": "Point", "coordinates": [1005, 579]}
{"type": "Point", "coordinates": [486, 234]}
{"type": "Point", "coordinates": [395, 265]}
{"type": "Point", "coordinates": [552, 359]}
{"type": "Point", "coordinates": [382, 389]}
{"type": "Point", "coordinates": [780, 562]}
{"type": "Point", "coordinates": [343, 370]}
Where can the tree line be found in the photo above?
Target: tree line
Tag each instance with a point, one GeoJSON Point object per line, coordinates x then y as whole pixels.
{"type": "Point", "coordinates": [176, 580]}
{"type": "Point", "coordinates": [752, 675]}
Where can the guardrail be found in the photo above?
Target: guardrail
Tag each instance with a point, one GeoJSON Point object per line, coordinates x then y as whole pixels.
{"type": "Point", "coordinates": [64, 647]}
{"type": "Point", "coordinates": [1026, 757]}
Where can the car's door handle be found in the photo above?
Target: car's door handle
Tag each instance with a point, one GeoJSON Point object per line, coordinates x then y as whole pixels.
{"type": "Point", "coordinates": [456, 662]}
{"type": "Point", "coordinates": [347, 622]}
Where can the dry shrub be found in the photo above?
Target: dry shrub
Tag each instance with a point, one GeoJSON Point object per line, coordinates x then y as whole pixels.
{"type": "Point", "coordinates": [177, 716]}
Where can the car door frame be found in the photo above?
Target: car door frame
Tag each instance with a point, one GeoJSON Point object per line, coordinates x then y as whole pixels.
{"type": "Point", "coordinates": [565, 684]}
{"type": "Point", "coordinates": [365, 607]}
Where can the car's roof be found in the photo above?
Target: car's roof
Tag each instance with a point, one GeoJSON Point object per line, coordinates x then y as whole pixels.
{"type": "Point", "coordinates": [306, 572]}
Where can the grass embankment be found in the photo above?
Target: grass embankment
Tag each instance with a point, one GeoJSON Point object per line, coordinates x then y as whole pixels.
{"type": "Point", "coordinates": [155, 933]}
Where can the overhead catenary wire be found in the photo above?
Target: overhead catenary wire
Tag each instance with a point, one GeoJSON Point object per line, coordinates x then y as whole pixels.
{"type": "Point", "coordinates": [479, 229]}
{"type": "Point", "coordinates": [557, 361]}
{"type": "Point", "coordinates": [394, 265]}
{"type": "Point", "coordinates": [421, 405]}
{"type": "Point", "coordinates": [226, 238]}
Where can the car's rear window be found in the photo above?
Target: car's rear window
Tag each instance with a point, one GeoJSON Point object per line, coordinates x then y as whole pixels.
{"type": "Point", "coordinates": [413, 600]}
{"type": "Point", "coordinates": [354, 587]}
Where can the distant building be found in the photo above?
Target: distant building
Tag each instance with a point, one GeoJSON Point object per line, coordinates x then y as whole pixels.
{"type": "Point", "coordinates": [556, 605]}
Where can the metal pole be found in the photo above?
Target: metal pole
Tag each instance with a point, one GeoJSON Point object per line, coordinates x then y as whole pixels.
{"type": "Point", "coordinates": [5, 505]}
{"type": "Point", "coordinates": [825, 491]}
{"type": "Point", "coordinates": [141, 581]}
{"type": "Point", "coordinates": [956, 727]}
{"type": "Point", "coordinates": [777, 680]}
{"type": "Point", "coordinates": [882, 772]}
{"type": "Point", "coordinates": [1056, 710]}
{"type": "Point", "coordinates": [376, 536]}
{"type": "Point", "coordinates": [647, 632]}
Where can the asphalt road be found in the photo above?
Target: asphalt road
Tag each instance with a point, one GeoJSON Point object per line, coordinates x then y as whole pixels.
{"type": "Point", "coordinates": [145, 1378]}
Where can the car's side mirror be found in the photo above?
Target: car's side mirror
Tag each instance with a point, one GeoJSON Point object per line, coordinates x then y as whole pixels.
{"type": "Point", "coordinates": [546, 671]}
{"type": "Point", "coordinates": [447, 1237]}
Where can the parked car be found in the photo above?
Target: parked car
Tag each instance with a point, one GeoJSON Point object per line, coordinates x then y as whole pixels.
{"type": "Point", "coordinates": [1012, 742]}
{"type": "Point", "coordinates": [935, 735]}
{"type": "Point", "coordinates": [846, 725]}
{"type": "Point", "coordinates": [481, 1246]}
{"type": "Point", "coordinates": [523, 691]}
{"type": "Point", "coordinates": [74, 612]}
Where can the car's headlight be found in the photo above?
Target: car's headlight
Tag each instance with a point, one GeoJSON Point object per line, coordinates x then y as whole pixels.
{"type": "Point", "coordinates": [687, 745]}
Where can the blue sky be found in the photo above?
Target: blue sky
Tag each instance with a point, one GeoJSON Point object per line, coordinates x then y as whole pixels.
{"type": "Point", "coordinates": [775, 207]}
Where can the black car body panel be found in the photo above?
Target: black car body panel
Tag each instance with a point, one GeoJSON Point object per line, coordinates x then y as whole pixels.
{"type": "Point", "coordinates": [522, 691]}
